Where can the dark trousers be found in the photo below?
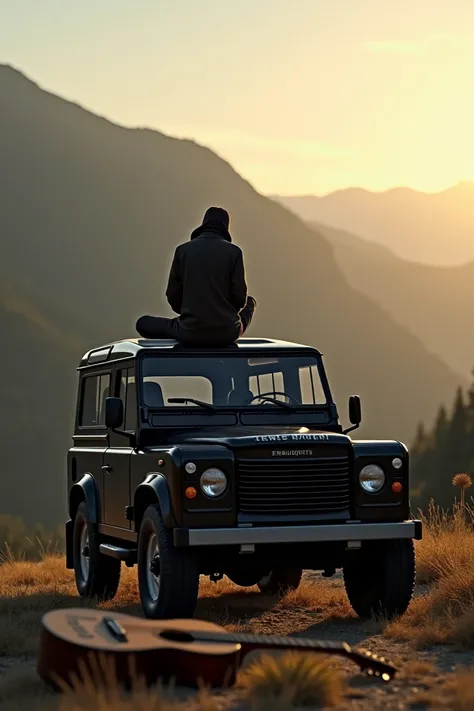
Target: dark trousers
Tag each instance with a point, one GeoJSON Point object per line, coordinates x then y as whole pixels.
{"type": "Point", "coordinates": [161, 327]}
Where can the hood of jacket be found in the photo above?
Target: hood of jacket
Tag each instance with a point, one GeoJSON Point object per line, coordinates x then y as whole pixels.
{"type": "Point", "coordinates": [216, 220]}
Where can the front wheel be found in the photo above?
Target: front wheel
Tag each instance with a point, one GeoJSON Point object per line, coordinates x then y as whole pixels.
{"type": "Point", "coordinates": [168, 578]}
{"type": "Point", "coordinates": [380, 578]}
{"type": "Point", "coordinates": [97, 575]}
{"type": "Point", "coordinates": [280, 581]}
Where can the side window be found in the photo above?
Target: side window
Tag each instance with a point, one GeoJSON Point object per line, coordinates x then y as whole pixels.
{"type": "Point", "coordinates": [128, 395]}
{"type": "Point", "coordinates": [95, 388]}
{"type": "Point", "coordinates": [312, 392]}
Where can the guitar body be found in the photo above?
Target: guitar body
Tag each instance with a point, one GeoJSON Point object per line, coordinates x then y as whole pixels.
{"type": "Point", "coordinates": [76, 637]}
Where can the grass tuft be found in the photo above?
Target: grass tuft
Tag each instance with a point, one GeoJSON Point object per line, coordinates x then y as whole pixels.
{"type": "Point", "coordinates": [291, 680]}
{"type": "Point", "coordinates": [460, 691]}
{"type": "Point", "coordinates": [447, 544]}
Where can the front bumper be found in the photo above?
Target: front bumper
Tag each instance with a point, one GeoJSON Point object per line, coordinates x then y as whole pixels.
{"type": "Point", "coordinates": [343, 532]}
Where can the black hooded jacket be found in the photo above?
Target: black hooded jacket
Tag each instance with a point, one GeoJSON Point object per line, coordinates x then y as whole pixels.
{"type": "Point", "coordinates": [207, 285]}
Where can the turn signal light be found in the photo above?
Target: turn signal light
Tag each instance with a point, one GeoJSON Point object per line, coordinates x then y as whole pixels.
{"type": "Point", "coordinates": [190, 492]}
{"type": "Point", "coordinates": [396, 487]}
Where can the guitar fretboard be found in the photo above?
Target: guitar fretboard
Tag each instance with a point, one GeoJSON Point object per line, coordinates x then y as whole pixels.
{"type": "Point", "coordinates": [268, 640]}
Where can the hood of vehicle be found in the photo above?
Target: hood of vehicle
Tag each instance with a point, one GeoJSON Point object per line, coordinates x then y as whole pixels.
{"type": "Point", "coordinates": [260, 436]}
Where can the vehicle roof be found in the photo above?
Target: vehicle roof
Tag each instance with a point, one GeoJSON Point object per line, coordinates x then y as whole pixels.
{"type": "Point", "coordinates": [131, 347]}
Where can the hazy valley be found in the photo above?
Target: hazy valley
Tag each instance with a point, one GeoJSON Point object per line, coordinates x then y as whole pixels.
{"type": "Point", "coordinates": [434, 303]}
{"type": "Point", "coordinates": [432, 228]}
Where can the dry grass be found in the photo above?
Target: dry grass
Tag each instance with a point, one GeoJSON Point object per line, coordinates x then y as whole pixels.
{"type": "Point", "coordinates": [284, 683]}
{"type": "Point", "coordinates": [419, 670]}
{"type": "Point", "coordinates": [460, 691]}
{"type": "Point", "coordinates": [318, 597]}
{"type": "Point", "coordinates": [19, 543]}
{"type": "Point", "coordinates": [23, 688]}
{"type": "Point", "coordinates": [290, 681]}
{"type": "Point", "coordinates": [28, 590]}
{"type": "Point", "coordinates": [448, 543]}
{"type": "Point", "coordinates": [444, 614]}
{"type": "Point", "coordinates": [445, 561]}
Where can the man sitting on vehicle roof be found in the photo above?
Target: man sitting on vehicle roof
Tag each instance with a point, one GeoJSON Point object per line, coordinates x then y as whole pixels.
{"type": "Point", "coordinates": [206, 288]}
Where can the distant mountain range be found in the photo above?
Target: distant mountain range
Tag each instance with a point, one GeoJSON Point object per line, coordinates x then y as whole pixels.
{"type": "Point", "coordinates": [91, 214]}
{"type": "Point", "coordinates": [431, 228]}
{"type": "Point", "coordinates": [435, 303]}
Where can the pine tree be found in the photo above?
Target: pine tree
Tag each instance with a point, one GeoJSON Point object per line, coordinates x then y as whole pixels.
{"type": "Point", "coordinates": [454, 447]}
{"type": "Point", "coordinates": [445, 451]}
{"type": "Point", "coordinates": [420, 454]}
{"type": "Point", "coordinates": [441, 426]}
{"type": "Point", "coordinates": [470, 429]}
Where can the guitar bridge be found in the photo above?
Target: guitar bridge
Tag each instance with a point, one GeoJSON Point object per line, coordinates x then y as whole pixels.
{"type": "Point", "coordinates": [115, 629]}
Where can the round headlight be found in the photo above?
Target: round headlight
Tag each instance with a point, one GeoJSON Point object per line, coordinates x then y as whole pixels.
{"type": "Point", "coordinates": [213, 482]}
{"type": "Point", "coordinates": [372, 478]}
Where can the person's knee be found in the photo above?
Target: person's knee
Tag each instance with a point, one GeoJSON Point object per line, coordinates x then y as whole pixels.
{"type": "Point", "coordinates": [251, 304]}
{"type": "Point", "coordinates": [142, 326]}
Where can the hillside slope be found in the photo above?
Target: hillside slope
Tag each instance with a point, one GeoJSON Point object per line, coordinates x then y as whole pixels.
{"type": "Point", "coordinates": [91, 213]}
{"type": "Point", "coordinates": [36, 391]}
{"type": "Point", "coordinates": [434, 303]}
{"type": "Point", "coordinates": [431, 228]}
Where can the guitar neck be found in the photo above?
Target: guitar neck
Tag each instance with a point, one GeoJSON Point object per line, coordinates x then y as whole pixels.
{"type": "Point", "coordinates": [251, 642]}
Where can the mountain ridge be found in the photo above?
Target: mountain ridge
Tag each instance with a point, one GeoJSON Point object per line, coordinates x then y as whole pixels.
{"type": "Point", "coordinates": [426, 228]}
{"type": "Point", "coordinates": [435, 302]}
{"type": "Point", "coordinates": [454, 188]}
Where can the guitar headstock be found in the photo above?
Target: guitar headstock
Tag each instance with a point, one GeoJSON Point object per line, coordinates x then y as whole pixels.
{"type": "Point", "coordinates": [374, 665]}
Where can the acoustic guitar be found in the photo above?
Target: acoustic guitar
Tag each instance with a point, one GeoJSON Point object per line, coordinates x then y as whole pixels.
{"type": "Point", "coordinates": [188, 651]}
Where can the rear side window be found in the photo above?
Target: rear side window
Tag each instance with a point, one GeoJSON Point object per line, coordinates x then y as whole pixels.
{"type": "Point", "coordinates": [95, 389]}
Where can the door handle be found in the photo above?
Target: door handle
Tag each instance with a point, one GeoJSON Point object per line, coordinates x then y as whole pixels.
{"type": "Point", "coordinates": [107, 468]}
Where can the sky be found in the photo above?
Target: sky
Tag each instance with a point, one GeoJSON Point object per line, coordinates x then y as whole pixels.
{"type": "Point", "coordinates": [300, 96]}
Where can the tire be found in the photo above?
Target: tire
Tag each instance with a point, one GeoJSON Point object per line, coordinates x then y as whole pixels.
{"type": "Point", "coordinates": [173, 593]}
{"type": "Point", "coordinates": [280, 581]}
{"type": "Point", "coordinates": [97, 575]}
{"type": "Point", "coordinates": [380, 580]}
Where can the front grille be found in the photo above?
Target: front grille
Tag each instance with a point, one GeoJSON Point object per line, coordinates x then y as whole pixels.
{"type": "Point", "coordinates": [293, 486]}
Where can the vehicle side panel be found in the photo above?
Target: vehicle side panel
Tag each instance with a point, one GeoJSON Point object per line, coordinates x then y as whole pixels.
{"type": "Point", "coordinates": [116, 483]}
{"type": "Point", "coordinates": [84, 470]}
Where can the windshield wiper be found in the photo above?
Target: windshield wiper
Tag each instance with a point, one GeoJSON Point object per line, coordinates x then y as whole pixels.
{"type": "Point", "coordinates": [184, 400]}
{"type": "Point", "coordinates": [286, 405]}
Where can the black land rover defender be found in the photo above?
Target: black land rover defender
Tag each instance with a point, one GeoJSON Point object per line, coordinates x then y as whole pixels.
{"type": "Point", "coordinates": [231, 461]}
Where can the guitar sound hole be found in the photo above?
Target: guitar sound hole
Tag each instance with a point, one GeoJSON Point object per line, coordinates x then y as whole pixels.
{"type": "Point", "coordinates": [176, 636]}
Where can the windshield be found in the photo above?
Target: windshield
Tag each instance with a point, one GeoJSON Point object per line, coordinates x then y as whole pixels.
{"type": "Point", "coordinates": [234, 381]}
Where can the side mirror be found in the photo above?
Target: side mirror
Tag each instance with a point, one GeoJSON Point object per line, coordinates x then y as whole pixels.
{"type": "Point", "coordinates": [355, 413]}
{"type": "Point", "coordinates": [113, 412]}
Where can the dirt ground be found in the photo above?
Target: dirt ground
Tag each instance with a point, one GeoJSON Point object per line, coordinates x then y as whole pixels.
{"type": "Point", "coordinates": [427, 678]}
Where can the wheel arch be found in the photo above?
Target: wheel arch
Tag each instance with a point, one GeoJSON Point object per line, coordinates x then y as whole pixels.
{"type": "Point", "coordinates": [84, 490]}
{"type": "Point", "coordinates": [154, 490]}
